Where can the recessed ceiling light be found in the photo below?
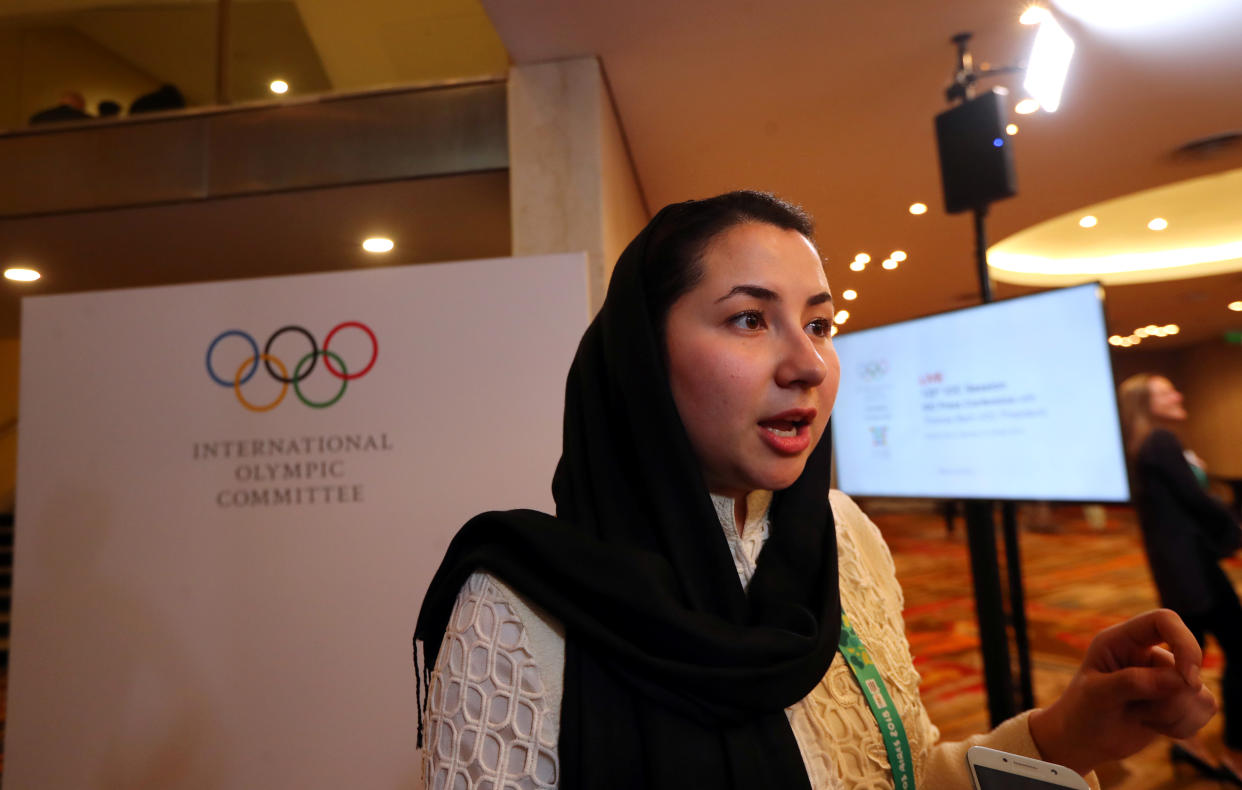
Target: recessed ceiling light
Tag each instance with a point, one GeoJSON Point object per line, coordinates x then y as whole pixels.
{"type": "Point", "coordinates": [21, 274]}
{"type": "Point", "coordinates": [1115, 340]}
{"type": "Point", "coordinates": [1159, 223]}
{"type": "Point", "coordinates": [842, 316]}
{"type": "Point", "coordinates": [1033, 15]}
{"type": "Point", "coordinates": [898, 255]}
{"type": "Point", "coordinates": [1026, 107]}
{"type": "Point", "coordinates": [1236, 307]}
{"type": "Point", "coordinates": [1172, 329]}
{"type": "Point", "coordinates": [849, 294]}
{"type": "Point", "coordinates": [918, 208]}
{"type": "Point", "coordinates": [1011, 129]}
{"type": "Point", "coordinates": [1088, 221]}
{"type": "Point", "coordinates": [834, 331]}
{"type": "Point", "coordinates": [862, 257]}
{"type": "Point", "coordinates": [889, 263]}
{"type": "Point", "coordinates": [857, 266]}
{"type": "Point", "coordinates": [279, 86]}
{"type": "Point", "coordinates": [377, 245]}
{"type": "Point", "coordinates": [1141, 332]}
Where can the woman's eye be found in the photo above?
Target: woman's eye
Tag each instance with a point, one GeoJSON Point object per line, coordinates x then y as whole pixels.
{"type": "Point", "coordinates": [820, 327]}
{"type": "Point", "coordinates": [750, 320]}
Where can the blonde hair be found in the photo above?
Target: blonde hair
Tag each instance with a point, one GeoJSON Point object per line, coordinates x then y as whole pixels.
{"type": "Point", "coordinates": [1134, 399]}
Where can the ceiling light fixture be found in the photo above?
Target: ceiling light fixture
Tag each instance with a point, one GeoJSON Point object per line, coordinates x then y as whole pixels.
{"type": "Point", "coordinates": [1011, 129]}
{"type": "Point", "coordinates": [279, 86]}
{"type": "Point", "coordinates": [863, 258]}
{"type": "Point", "coordinates": [1088, 221]}
{"type": "Point", "coordinates": [841, 317]}
{"type": "Point", "coordinates": [1236, 307]}
{"type": "Point", "coordinates": [377, 244]}
{"type": "Point", "coordinates": [857, 266]}
{"type": "Point", "coordinates": [918, 208]}
{"type": "Point", "coordinates": [21, 274]}
{"type": "Point", "coordinates": [898, 255]}
{"type": "Point", "coordinates": [1159, 223]}
{"type": "Point", "coordinates": [1033, 15]}
{"type": "Point", "coordinates": [1048, 65]}
{"type": "Point", "coordinates": [834, 331]}
{"type": "Point", "coordinates": [889, 264]}
{"type": "Point", "coordinates": [849, 294]}
{"type": "Point", "coordinates": [1026, 107]}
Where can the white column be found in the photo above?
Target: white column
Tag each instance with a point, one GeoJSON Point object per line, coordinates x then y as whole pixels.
{"type": "Point", "coordinates": [571, 182]}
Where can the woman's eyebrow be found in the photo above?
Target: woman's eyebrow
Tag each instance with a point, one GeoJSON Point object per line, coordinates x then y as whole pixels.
{"type": "Point", "coordinates": [768, 295]}
{"type": "Point", "coordinates": [757, 291]}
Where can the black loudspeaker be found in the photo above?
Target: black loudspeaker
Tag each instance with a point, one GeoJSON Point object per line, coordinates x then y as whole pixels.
{"type": "Point", "coordinates": [976, 163]}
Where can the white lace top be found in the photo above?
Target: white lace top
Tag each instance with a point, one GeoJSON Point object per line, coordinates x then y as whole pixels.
{"type": "Point", "coordinates": [494, 706]}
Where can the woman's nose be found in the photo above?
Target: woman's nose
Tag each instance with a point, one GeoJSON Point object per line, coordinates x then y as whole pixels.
{"type": "Point", "coordinates": [801, 364]}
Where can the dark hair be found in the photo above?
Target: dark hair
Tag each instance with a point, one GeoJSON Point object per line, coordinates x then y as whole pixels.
{"type": "Point", "coordinates": [675, 254]}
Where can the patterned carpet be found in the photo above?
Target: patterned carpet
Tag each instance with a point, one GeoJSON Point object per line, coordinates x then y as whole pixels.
{"type": "Point", "coordinates": [1078, 579]}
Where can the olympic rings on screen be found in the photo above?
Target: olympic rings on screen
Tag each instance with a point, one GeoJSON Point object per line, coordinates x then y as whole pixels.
{"type": "Point", "coordinates": [277, 369]}
{"type": "Point", "coordinates": [874, 369]}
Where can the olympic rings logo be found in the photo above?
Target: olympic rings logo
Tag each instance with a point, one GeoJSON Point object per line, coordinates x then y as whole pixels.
{"type": "Point", "coordinates": [875, 369]}
{"type": "Point", "coordinates": [277, 370]}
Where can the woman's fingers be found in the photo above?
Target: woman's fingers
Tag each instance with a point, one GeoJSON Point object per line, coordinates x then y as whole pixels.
{"type": "Point", "coordinates": [1159, 657]}
{"type": "Point", "coordinates": [1121, 644]}
{"type": "Point", "coordinates": [1142, 684]}
{"type": "Point", "coordinates": [1179, 716]}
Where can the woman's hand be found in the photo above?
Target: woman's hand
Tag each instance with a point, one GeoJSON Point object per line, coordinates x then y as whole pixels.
{"type": "Point", "coordinates": [1128, 690]}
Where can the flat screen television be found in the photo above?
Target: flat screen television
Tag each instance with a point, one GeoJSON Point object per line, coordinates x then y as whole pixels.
{"type": "Point", "coordinates": [1009, 400]}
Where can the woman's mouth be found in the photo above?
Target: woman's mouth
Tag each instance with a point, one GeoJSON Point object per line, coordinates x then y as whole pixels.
{"type": "Point", "coordinates": [789, 433]}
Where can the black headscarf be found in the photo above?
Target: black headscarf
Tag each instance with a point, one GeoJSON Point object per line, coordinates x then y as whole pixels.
{"type": "Point", "coordinates": [675, 676]}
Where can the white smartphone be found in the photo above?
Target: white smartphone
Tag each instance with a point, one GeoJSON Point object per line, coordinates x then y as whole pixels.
{"type": "Point", "coordinates": [993, 770]}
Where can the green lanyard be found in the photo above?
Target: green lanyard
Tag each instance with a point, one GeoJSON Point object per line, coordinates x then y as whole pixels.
{"type": "Point", "coordinates": [882, 707]}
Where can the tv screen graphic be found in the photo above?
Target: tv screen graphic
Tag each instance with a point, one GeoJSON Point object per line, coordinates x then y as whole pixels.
{"type": "Point", "coordinates": [1009, 400]}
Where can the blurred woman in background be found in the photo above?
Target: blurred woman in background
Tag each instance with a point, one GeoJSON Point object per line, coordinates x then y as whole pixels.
{"type": "Point", "coordinates": [1186, 531]}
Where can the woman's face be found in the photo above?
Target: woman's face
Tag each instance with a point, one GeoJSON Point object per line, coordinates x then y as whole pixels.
{"type": "Point", "coordinates": [1166, 401]}
{"type": "Point", "coordinates": [751, 363]}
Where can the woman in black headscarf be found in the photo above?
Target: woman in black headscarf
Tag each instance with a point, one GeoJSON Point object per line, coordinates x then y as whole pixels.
{"type": "Point", "coordinates": [639, 638]}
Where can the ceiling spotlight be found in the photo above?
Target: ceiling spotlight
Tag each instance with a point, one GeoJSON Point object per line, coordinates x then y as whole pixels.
{"type": "Point", "coordinates": [1236, 307]}
{"type": "Point", "coordinates": [841, 317]}
{"type": "Point", "coordinates": [862, 257]}
{"type": "Point", "coordinates": [1048, 65]}
{"type": "Point", "coordinates": [377, 245]}
{"type": "Point", "coordinates": [889, 263]}
{"type": "Point", "coordinates": [834, 331]}
{"type": "Point", "coordinates": [1033, 15]}
{"type": "Point", "coordinates": [1088, 221]}
{"type": "Point", "coordinates": [1011, 129]}
{"type": "Point", "coordinates": [1172, 329]}
{"type": "Point", "coordinates": [858, 266]}
{"type": "Point", "coordinates": [1026, 107]}
{"type": "Point", "coordinates": [1159, 223]}
{"type": "Point", "coordinates": [1141, 332]}
{"type": "Point", "coordinates": [898, 255]}
{"type": "Point", "coordinates": [918, 208]}
{"type": "Point", "coordinates": [1115, 340]}
{"type": "Point", "coordinates": [279, 86]}
{"type": "Point", "coordinates": [1134, 339]}
{"type": "Point", "coordinates": [849, 294]}
{"type": "Point", "coordinates": [20, 274]}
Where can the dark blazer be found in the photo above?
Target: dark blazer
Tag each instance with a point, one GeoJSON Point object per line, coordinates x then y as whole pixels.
{"type": "Point", "coordinates": [1186, 529]}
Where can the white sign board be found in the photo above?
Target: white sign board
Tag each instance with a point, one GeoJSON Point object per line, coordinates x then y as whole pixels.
{"type": "Point", "coordinates": [217, 572]}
